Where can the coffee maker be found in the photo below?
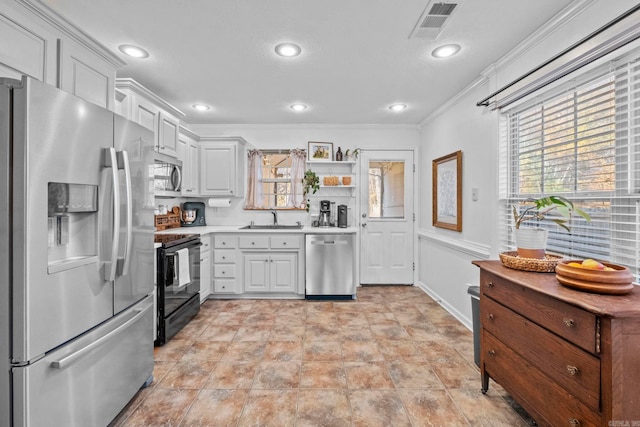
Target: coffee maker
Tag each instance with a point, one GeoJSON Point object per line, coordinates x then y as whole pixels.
{"type": "Point", "coordinates": [193, 214]}
{"type": "Point", "coordinates": [325, 213]}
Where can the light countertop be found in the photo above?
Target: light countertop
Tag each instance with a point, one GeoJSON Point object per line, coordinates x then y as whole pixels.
{"type": "Point", "coordinates": [237, 229]}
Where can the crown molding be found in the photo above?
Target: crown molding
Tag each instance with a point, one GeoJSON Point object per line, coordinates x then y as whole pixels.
{"type": "Point", "coordinates": [60, 23]}
{"type": "Point", "coordinates": [303, 126]}
{"type": "Point", "coordinates": [137, 88]}
{"type": "Point", "coordinates": [542, 33]}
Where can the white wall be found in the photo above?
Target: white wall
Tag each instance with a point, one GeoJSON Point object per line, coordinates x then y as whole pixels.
{"type": "Point", "coordinates": [444, 256]}
{"type": "Point", "coordinates": [288, 136]}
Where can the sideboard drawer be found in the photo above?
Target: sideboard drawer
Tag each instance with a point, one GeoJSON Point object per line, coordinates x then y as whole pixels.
{"type": "Point", "coordinates": [570, 322]}
{"type": "Point", "coordinates": [575, 369]}
{"type": "Point", "coordinates": [544, 397]}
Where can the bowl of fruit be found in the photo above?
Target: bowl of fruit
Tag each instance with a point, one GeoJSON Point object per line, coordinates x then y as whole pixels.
{"type": "Point", "coordinates": [595, 276]}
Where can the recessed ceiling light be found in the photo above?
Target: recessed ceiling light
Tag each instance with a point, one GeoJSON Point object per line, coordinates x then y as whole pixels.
{"type": "Point", "coordinates": [133, 51]}
{"type": "Point", "coordinates": [288, 49]}
{"type": "Point", "coordinates": [397, 107]}
{"type": "Point", "coordinates": [446, 50]}
{"type": "Point", "coordinates": [298, 107]}
{"type": "Point", "coordinates": [201, 107]}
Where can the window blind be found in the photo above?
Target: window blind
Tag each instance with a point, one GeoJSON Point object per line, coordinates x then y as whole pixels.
{"type": "Point", "coordinates": [581, 142]}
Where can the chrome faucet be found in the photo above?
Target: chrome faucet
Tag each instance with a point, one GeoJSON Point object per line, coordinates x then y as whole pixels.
{"type": "Point", "coordinates": [275, 216]}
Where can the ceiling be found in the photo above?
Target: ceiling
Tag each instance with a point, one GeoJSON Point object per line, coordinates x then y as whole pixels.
{"type": "Point", "coordinates": [357, 55]}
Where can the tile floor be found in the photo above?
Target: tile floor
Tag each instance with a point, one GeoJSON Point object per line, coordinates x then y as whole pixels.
{"type": "Point", "coordinates": [393, 358]}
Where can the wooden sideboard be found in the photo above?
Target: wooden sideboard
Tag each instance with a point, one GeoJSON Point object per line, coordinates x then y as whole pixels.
{"type": "Point", "coordinates": [570, 358]}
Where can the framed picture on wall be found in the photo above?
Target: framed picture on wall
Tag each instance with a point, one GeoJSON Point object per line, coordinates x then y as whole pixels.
{"type": "Point", "coordinates": [447, 191]}
{"type": "Point", "coordinates": [320, 151]}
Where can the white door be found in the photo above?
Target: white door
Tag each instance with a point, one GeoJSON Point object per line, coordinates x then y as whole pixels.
{"type": "Point", "coordinates": [386, 217]}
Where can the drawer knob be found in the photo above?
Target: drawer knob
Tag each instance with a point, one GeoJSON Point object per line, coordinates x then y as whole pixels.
{"type": "Point", "coordinates": [224, 257]}
{"type": "Point", "coordinates": [284, 243]}
{"type": "Point", "coordinates": [490, 316]}
{"type": "Point", "coordinates": [573, 422]}
{"type": "Point", "coordinates": [222, 271]}
{"type": "Point", "coordinates": [569, 322]}
{"type": "Point", "coordinates": [490, 284]}
{"type": "Point", "coordinates": [224, 243]}
{"type": "Point", "coordinates": [492, 352]}
{"type": "Point", "coordinates": [573, 370]}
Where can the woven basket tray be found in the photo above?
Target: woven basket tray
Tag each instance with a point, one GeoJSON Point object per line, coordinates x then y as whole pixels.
{"type": "Point", "coordinates": [546, 265]}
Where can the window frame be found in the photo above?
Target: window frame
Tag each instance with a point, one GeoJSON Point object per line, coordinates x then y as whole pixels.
{"type": "Point", "coordinates": [610, 236]}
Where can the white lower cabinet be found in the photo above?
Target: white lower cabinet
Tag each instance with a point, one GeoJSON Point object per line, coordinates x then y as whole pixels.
{"type": "Point", "coordinates": [270, 272]}
{"type": "Point", "coordinates": [225, 279]}
{"type": "Point", "coordinates": [258, 264]}
{"type": "Point", "coordinates": [205, 267]}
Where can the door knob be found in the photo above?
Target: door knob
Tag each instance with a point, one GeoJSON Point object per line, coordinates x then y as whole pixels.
{"type": "Point", "coordinates": [364, 224]}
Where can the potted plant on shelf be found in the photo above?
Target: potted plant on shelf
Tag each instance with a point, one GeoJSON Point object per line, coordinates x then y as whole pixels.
{"type": "Point", "coordinates": [532, 242]}
{"type": "Point", "coordinates": [310, 184]}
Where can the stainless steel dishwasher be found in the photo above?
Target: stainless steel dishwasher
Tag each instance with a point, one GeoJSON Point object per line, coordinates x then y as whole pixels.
{"type": "Point", "coordinates": [329, 266]}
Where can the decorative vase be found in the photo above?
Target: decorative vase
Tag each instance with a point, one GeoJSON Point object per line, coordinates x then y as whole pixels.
{"type": "Point", "coordinates": [531, 242]}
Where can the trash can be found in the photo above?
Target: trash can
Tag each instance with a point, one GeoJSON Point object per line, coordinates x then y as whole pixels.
{"type": "Point", "coordinates": [474, 291]}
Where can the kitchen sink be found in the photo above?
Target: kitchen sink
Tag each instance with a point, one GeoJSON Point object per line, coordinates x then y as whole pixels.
{"type": "Point", "coordinates": [272, 227]}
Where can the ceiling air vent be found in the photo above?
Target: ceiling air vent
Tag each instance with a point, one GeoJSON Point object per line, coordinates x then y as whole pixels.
{"type": "Point", "coordinates": [432, 20]}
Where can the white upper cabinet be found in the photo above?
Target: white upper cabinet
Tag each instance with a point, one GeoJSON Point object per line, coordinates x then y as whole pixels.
{"type": "Point", "coordinates": [36, 42]}
{"type": "Point", "coordinates": [168, 134]}
{"type": "Point", "coordinates": [188, 153]}
{"type": "Point", "coordinates": [222, 166]}
{"type": "Point", "coordinates": [142, 106]}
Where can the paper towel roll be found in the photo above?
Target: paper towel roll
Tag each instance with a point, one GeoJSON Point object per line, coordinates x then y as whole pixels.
{"type": "Point", "coordinates": [219, 203]}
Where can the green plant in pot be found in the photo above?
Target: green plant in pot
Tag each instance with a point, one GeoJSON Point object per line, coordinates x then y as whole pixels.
{"type": "Point", "coordinates": [532, 242]}
{"type": "Point", "coordinates": [310, 184]}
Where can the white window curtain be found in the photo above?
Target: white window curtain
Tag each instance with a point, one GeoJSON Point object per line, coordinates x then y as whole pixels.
{"type": "Point", "coordinates": [582, 142]}
{"type": "Point", "coordinates": [255, 198]}
{"type": "Point", "coordinates": [298, 167]}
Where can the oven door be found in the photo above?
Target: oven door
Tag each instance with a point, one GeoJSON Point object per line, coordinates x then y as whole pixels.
{"type": "Point", "coordinates": [177, 302]}
{"type": "Point", "coordinates": [176, 293]}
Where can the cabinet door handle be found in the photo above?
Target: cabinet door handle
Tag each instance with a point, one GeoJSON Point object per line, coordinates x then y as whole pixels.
{"type": "Point", "coordinates": [573, 370]}
{"type": "Point", "coordinates": [569, 322]}
{"type": "Point", "coordinates": [490, 316]}
{"type": "Point", "coordinates": [253, 243]}
{"type": "Point", "coordinates": [574, 422]}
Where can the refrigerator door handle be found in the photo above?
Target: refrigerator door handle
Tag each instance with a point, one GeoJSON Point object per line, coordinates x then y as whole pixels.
{"type": "Point", "coordinates": [123, 163]}
{"type": "Point", "coordinates": [66, 361]}
{"type": "Point", "coordinates": [110, 161]}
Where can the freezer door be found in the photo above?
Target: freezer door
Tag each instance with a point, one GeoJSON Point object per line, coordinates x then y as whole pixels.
{"type": "Point", "coordinates": [91, 379]}
{"type": "Point", "coordinates": [58, 285]}
{"type": "Point", "coordinates": [134, 274]}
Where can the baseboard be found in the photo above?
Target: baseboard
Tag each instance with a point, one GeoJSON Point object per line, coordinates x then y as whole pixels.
{"type": "Point", "coordinates": [468, 323]}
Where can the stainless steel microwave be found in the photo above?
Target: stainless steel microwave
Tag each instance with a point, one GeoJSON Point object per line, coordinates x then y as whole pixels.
{"type": "Point", "coordinates": [167, 176]}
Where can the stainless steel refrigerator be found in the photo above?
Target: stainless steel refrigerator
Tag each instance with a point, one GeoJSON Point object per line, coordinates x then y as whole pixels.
{"type": "Point", "coordinates": [76, 258]}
